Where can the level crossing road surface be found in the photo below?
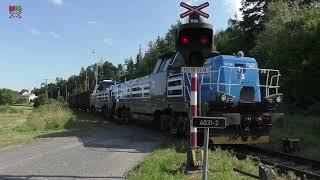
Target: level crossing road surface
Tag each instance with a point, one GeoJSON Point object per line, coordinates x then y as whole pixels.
{"type": "Point", "coordinates": [100, 153]}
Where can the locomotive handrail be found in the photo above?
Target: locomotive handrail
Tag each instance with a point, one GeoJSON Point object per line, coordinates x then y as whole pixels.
{"type": "Point", "coordinates": [268, 85]}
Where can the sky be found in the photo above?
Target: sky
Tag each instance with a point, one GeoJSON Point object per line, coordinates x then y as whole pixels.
{"type": "Point", "coordinates": [55, 38]}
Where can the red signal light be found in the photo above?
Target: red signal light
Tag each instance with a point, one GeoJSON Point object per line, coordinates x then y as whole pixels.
{"type": "Point", "coordinates": [185, 40]}
{"type": "Point", "coordinates": [204, 40]}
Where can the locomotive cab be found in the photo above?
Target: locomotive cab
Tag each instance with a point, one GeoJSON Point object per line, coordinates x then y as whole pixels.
{"type": "Point", "coordinates": [237, 89]}
{"type": "Point", "coordinates": [233, 80]}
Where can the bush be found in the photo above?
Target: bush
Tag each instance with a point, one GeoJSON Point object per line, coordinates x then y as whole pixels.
{"type": "Point", "coordinates": [40, 100]}
{"type": "Point", "coordinates": [22, 101]}
{"type": "Point", "coordinates": [61, 99]}
{"type": "Point", "coordinates": [7, 96]}
{"type": "Point", "coordinates": [53, 115]}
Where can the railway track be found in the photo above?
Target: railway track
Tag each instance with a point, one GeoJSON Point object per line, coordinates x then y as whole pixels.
{"type": "Point", "coordinates": [283, 162]}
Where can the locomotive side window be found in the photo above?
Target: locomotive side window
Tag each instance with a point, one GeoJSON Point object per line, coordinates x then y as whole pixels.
{"type": "Point", "coordinates": [166, 63]}
{"type": "Point", "coordinates": [178, 63]}
{"type": "Point", "coordinates": [156, 67]}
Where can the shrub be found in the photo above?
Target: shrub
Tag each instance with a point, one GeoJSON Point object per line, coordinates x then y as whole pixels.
{"type": "Point", "coordinates": [22, 101]}
{"type": "Point", "coordinates": [61, 99]}
{"type": "Point", "coordinates": [40, 100]}
{"type": "Point", "coordinates": [7, 96]}
{"type": "Point", "coordinates": [53, 115]}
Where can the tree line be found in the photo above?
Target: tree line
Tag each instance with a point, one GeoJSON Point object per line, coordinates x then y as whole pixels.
{"type": "Point", "coordinates": [280, 34]}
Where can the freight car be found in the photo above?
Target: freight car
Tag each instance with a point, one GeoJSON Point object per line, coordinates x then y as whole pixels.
{"type": "Point", "coordinates": [81, 100]}
{"type": "Point", "coordinates": [96, 100]}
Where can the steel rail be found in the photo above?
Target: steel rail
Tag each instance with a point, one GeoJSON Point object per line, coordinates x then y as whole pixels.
{"type": "Point", "coordinates": [303, 167]}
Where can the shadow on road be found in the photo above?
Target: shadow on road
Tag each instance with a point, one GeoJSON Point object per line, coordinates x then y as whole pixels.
{"type": "Point", "coordinates": [20, 177]}
{"type": "Point", "coordinates": [111, 136]}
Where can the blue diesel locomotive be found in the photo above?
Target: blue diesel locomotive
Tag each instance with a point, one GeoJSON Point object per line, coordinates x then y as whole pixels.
{"type": "Point", "coordinates": [234, 88]}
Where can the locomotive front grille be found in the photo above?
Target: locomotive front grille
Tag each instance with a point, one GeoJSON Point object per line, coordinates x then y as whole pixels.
{"type": "Point", "coordinates": [247, 94]}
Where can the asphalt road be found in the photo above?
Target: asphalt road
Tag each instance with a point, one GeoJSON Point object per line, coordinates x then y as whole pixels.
{"type": "Point", "coordinates": [95, 154]}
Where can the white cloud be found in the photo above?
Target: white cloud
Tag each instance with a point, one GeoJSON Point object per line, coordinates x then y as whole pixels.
{"type": "Point", "coordinates": [192, 2]}
{"type": "Point", "coordinates": [233, 7]}
{"type": "Point", "coordinates": [57, 2]}
{"type": "Point", "coordinates": [92, 22]}
{"type": "Point", "coordinates": [54, 35]}
{"type": "Point", "coordinates": [35, 32]}
{"type": "Point", "coordinates": [108, 41]}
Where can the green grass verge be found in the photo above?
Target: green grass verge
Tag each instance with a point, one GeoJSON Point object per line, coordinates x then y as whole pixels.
{"type": "Point", "coordinates": [168, 162]}
{"type": "Point", "coordinates": [306, 128]}
{"type": "Point", "coordinates": [30, 123]}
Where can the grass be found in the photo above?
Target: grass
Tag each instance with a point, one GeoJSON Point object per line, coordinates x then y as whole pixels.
{"type": "Point", "coordinates": [29, 123]}
{"type": "Point", "coordinates": [306, 128]}
{"type": "Point", "coordinates": [48, 117]}
{"type": "Point", "coordinates": [168, 162]}
{"type": "Point", "coordinates": [10, 109]}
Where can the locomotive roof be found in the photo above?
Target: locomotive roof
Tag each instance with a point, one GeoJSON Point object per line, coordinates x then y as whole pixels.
{"type": "Point", "coordinates": [231, 58]}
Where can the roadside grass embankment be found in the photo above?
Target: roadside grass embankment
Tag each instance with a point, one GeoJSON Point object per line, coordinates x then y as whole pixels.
{"type": "Point", "coordinates": [168, 162]}
{"type": "Point", "coordinates": [23, 123]}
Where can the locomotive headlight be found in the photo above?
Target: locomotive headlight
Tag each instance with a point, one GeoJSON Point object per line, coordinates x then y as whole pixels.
{"type": "Point", "coordinates": [278, 99]}
{"type": "Point", "coordinates": [223, 97]}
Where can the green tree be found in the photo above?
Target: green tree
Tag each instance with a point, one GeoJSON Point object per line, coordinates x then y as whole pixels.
{"type": "Point", "coordinates": [8, 96]}
{"type": "Point", "coordinates": [40, 100]}
{"type": "Point", "coordinates": [291, 43]}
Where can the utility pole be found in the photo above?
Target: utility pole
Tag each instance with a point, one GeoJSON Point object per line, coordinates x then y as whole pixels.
{"type": "Point", "coordinates": [58, 91]}
{"type": "Point", "coordinates": [46, 87]}
{"type": "Point", "coordinates": [87, 81]}
{"type": "Point", "coordinates": [97, 67]}
{"type": "Point", "coordinates": [66, 93]}
{"type": "Point", "coordinates": [76, 87]}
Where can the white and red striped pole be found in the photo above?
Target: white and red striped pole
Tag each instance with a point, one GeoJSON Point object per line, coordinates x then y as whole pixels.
{"type": "Point", "coordinates": [194, 110]}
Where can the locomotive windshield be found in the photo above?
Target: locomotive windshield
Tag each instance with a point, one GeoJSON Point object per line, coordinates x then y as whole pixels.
{"type": "Point", "coordinates": [104, 85]}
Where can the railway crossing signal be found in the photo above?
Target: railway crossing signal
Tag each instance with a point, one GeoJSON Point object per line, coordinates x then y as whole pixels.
{"type": "Point", "coordinates": [194, 9]}
{"type": "Point", "coordinates": [194, 40]}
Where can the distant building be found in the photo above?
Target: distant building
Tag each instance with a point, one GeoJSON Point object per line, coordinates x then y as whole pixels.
{"type": "Point", "coordinates": [24, 94]}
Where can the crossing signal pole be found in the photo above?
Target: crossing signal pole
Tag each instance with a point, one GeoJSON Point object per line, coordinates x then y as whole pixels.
{"type": "Point", "coordinates": [194, 41]}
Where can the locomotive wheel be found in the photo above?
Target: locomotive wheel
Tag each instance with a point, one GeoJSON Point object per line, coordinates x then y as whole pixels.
{"type": "Point", "coordinates": [124, 117]}
{"type": "Point", "coordinates": [163, 122]}
{"type": "Point", "coordinates": [105, 113]}
{"type": "Point", "coordinates": [156, 121]}
{"type": "Point", "coordinates": [173, 123]}
{"type": "Point", "coordinates": [181, 129]}
{"type": "Point", "coordinates": [128, 117]}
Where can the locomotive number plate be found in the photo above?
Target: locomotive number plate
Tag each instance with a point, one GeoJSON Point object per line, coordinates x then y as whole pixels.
{"type": "Point", "coordinates": [195, 69]}
{"type": "Point", "coordinates": [209, 122]}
